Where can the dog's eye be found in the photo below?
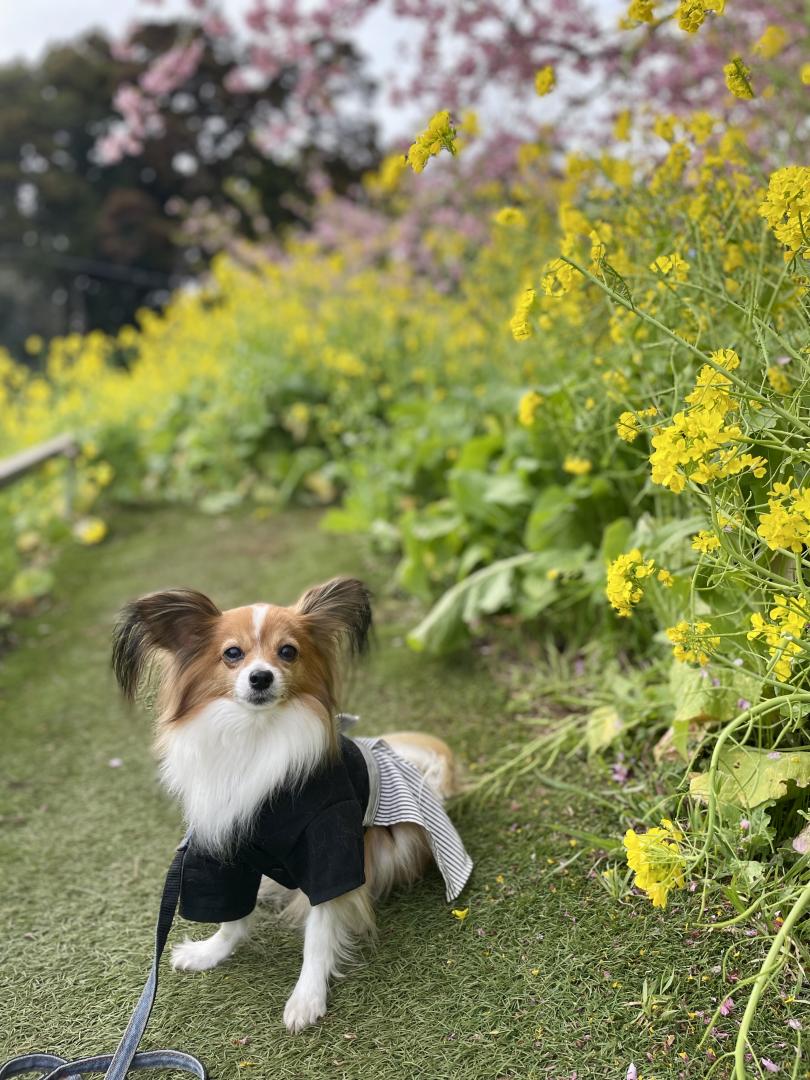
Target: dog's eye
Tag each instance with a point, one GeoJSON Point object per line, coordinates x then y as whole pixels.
{"type": "Point", "coordinates": [233, 653]}
{"type": "Point", "coordinates": [288, 652]}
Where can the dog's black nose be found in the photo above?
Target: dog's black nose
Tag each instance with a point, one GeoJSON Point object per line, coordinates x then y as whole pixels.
{"type": "Point", "coordinates": [261, 678]}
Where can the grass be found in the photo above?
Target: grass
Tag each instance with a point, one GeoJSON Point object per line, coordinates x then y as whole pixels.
{"type": "Point", "coordinates": [544, 979]}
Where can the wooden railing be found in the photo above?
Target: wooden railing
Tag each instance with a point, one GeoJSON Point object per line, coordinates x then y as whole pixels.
{"type": "Point", "coordinates": [12, 468]}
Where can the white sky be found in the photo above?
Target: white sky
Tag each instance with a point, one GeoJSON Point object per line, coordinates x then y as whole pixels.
{"type": "Point", "coordinates": [27, 27]}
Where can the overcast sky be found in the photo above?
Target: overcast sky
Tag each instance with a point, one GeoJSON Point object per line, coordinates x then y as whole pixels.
{"type": "Point", "coordinates": [27, 27]}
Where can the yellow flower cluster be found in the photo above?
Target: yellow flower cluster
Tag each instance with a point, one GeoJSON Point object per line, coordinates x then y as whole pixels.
{"type": "Point", "coordinates": [510, 216]}
{"type": "Point", "coordinates": [671, 264]}
{"type": "Point", "coordinates": [520, 325]}
{"type": "Point", "coordinates": [772, 42]}
{"type": "Point", "coordinates": [528, 406]}
{"type": "Point", "coordinates": [787, 523]}
{"type": "Point", "coordinates": [692, 642]}
{"type": "Point", "coordinates": [783, 634]}
{"type": "Point", "coordinates": [558, 277]}
{"type": "Point", "coordinates": [738, 79]}
{"type": "Point", "coordinates": [692, 13]}
{"type": "Point", "coordinates": [577, 466]}
{"type": "Point", "coordinates": [438, 135]}
{"type": "Point", "coordinates": [656, 859]}
{"type": "Point", "coordinates": [778, 380]}
{"type": "Point", "coordinates": [706, 542]}
{"type": "Point", "coordinates": [624, 574]}
{"type": "Point", "coordinates": [544, 81]}
{"type": "Point", "coordinates": [628, 426]}
{"type": "Point", "coordinates": [641, 11]}
{"type": "Point", "coordinates": [787, 207]}
{"type": "Point", "coordinates": [699, 445]}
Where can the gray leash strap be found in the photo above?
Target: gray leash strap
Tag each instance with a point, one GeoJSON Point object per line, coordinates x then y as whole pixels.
{"type": "Point", "coordinates": [125, 1059]}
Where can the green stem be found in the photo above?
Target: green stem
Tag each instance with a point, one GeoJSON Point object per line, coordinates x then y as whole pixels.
{"type": "Point", "coordinates": [766, 972]}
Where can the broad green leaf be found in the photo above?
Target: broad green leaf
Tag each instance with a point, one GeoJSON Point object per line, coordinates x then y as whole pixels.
{"type": "Point", "coordinates": [484, 592]}
{"type": "Point", "coordinates": [698, 700]}
{"type": "Point", "coordinates": [749, 777]}
{"type": "Point", "coordinates": [549, 518]}
{"type": "Point", "coordinates": [615, 539]}
{"type": "Point", "coordinates": [603, 726]}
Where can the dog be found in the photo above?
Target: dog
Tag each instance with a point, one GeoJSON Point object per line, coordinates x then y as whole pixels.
{"type": "Point", "coordinates": [279, 802]}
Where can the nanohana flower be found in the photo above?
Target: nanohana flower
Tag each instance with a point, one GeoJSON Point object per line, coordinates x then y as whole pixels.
{"type": "Point", "coordinates": [738, 78]}
{"type": "Point", "coordinates": [772, 42]}
{"type": "Point", "coordinates": [674, 264]}
{"type": "Point", "coordinates": [528, 406]}
{"type": "Point", "coordinates": [577, 466]}
{"type": "Point", "coordinates": [787, 522]}
{"type": "Point", "coordinates": [641, 11]}
{"type": "Point", "coordinates": [91, 530]}
{"type": "Point", "coordinates": [783, 633]}
{"type": "Point", "coordinates": [787, 206]}
{"type": "Point", "coordinates": [657, 860]}
{"type": "Point", "coordinates": [438, 135]}
{"type": "Point", "coordinates": [779, 381]}
{"type": "Point", "coordinates": [666, 578]}
{"type": "Point", "coordinates": [510, 215]}
{"type": "Point", "coordinates": [520, 324]}
{"type": "Point", "coordinates": [700, 445]}
{"type": "Point", "coordinates": [544, 80]}
{"type": "Point", "coordinates": [804, 74]}
{"type": "Point", "coordinates": [692, 13]}
{"type": "Point", "coordinates": [705, 542]}
{"type": "Point", "coordinates": [624, 574]}
{"type": "Point", "coordinates": [692, 642]}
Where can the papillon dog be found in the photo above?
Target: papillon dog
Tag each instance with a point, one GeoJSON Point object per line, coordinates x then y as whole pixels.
{"type": "Point", "coordinates": [276, 799]}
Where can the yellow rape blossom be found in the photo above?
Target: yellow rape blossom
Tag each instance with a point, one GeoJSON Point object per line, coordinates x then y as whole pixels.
{"type": "Point", "coordinates": [787, 522]}
{"type": "Point", "coordinates": [738, 78]}
{"type": "Point", "coordinates": [510, 216]}
{"type": "Point", "coordinates": [438, 135]}
{"type": "Point", "coordinates": [705, 542]}
{"type": "Point", "coordinates": [577, 466]}
{"type": "Point", "coordinates": [778, 380]}
{"type": "Point", "coordinates": [624, 574]}
{"type": "Point", "coordinates": [772, 42]}
{"type": "Point", "coordinates": [692, 642]}
{"type": "Point", "coordinates": [528, 406]}
{"type": "Point", "coordinates": [519, 324]}
{"type": "Point", "coordinates": [90, 530]}
{"type": "Point", "coordinates": [544, 80]}
{"type": "Point", "coordinates": [787, 206]}
{"type": "Point", "coordinates": [783, 633]}
{"type": "Point", "coordinates": [656, 859]}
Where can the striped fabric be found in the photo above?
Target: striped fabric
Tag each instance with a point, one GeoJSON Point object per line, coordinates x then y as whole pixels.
{"type": "Point", "coordinates": [399, 792]}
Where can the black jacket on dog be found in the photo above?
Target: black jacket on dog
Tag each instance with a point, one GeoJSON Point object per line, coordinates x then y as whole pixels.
{"type": "Point", "coordinates": [308, 838]}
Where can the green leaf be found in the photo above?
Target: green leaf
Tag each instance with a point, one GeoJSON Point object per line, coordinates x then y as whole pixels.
{"type": "Point", "coordinates": [698, 700]}
{"type": "Point", "coordinates": [484, 592]}
{"type": "Point", "coordinates": [615, 539]}
{"type": "Point", "coordinates": [549, 518]}
{"type": "Point", "coordinates": [749, 777]}
{"type": "Point", "coordinates": [603, 726]}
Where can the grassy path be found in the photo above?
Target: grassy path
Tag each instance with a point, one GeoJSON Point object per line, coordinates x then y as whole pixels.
{"type": "Point", "coordinates": [542, 980]}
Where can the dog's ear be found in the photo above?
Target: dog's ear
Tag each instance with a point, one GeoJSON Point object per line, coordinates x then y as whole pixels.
{"type": "Point", "coordinates": [177, 620]}
{"type": "Point", "coordinates": [339, 613]}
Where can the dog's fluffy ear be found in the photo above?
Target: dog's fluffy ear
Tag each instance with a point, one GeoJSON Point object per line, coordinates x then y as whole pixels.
{"type": "Point", "coordinates": [339, 613]}
{"type": "Point", "coordinates": [176, 620]}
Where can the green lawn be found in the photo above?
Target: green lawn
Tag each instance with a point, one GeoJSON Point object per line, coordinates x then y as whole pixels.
{"type": "Point", "coordinates": [543, 979]}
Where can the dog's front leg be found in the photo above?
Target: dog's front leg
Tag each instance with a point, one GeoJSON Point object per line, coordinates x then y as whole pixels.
{"type": "Point", "coordinates": [203, 955]}
{"type": "Point", "coordinates": [331, 932]}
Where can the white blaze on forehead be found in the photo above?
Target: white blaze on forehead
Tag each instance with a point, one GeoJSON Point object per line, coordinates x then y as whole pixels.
{"type": "Point", "coordinates": [259, 613]}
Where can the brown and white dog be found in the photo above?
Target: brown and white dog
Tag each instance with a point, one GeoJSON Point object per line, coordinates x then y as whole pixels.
{"type": "Point", "coordinates": [246, 707]}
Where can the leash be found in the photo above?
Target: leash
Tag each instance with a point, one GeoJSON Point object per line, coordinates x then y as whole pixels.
{"type": "Point", "coordinates": [125, 1059]}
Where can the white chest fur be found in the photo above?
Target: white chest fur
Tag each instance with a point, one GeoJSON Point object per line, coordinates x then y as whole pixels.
{"type": "Point", "coordinates": [225, 761]}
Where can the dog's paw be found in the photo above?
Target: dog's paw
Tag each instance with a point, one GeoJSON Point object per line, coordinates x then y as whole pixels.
{"type": "Point", "coordinates": [203, 955]}
{"type": "Point", "coordinates": [303, 1009]}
